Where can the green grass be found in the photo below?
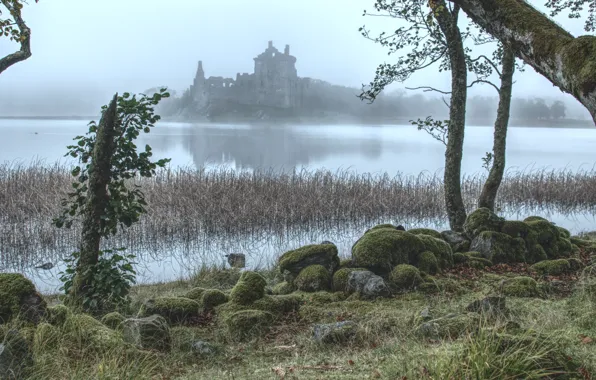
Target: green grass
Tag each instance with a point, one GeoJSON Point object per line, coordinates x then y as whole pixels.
{"type": "Point", "coordinates": [386, 346]}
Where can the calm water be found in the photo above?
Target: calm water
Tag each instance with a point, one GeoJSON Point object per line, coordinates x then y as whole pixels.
{"type": "Point", "coordinates": [374, 149]}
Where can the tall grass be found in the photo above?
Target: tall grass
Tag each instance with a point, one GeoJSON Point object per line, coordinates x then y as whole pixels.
{"type": "Point", "coordinates": [188, 204]}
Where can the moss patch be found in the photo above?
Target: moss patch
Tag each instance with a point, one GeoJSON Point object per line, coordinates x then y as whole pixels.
{"type": "Point", "coordinates": [173, 309]}
{"type": "Point", "coordinates": [521, 286]}
{"type": "Point", "coordinates": [250, 287]}
{"type": "Point", "coordinates": [282, 288]}
{"type": "Point", "coordinates": [212, 298]}
{"type": "Point", "coordinates": [552, 267]}
{"type": "Point", "coordinates": [195, 293]}
{"type": "Point", "coordinates": [428, 263]}
{"type": "Point", "coordinates": [441, 250]}
{"type": "Point", "coordinates": [382, 249]}
{"type": "Point", "coordinates": [313, 278]}
{"type": "Point", "coordinates": [247, 324]}
{"type": "Point", "coordinates": [296, 260]}
{"type": "Point", "coordinates": [405, 277]}
{"type": "Point", "coordinates": [112, 320]}
{"type": "Point", "coordinates": [426, 231]}
{"type": "Point", "coordinates": [481, 220]}
{"type": "Point", "coordinates": [14, 288]}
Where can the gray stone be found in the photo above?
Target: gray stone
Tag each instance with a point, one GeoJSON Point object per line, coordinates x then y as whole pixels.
{"type": "Point", "coordinates": [457, 241]}
{"type": "Point", "coordinates": [150, 332]}
{"type": "Point", "coordinates": [15, 356]}
{"type": "Point", "coordinates": [203, 348]}
{"type": "Point", "coordinates": [491, 306]}
{"type": "Point", "coordinates": [368, 284]}
{"type": "Point", "coordinates": [425, 315]}
{"type": "Point", "coordinates": [236, 260]}
{"type": "Point", "coordinates": [338, 332]}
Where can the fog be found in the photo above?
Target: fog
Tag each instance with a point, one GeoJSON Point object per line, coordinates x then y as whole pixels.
{"type": "Point", "coordinates": [83, 51]}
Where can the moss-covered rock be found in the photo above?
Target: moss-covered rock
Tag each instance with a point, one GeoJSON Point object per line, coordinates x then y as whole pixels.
{"type": "Point", "coordinates": [478, 262]}
{"type": "Point", "coordinates": [547, 235]}
{"type": "Point", "coordinates": [382, 249]}
{"type": "Point", "coordinates": [575, 264]}
{"type": "Point", "coordinates": [174, 309]}
{"type": "Point", "coordinates": [149, 333]}
{"type": "Point", "coordinates": [345, 263]}
{"type": "Point", "coordinates": [515, 228]}
{"type": "Point", "coordinates": [247, 324]}
{"type": "Point", "coordinates": [428, 263]}
{"type": "Point", "coordinates": [313, 278]}
{"type": "Point", "coordinates": [321, 298]}
{"type": "Point", "coordinates": [339, 332]}
{"type": "Point", "coordinates": [340, 278]}
{"type": "Point", "coordinates": [112, 320]}
{"type": "Point", "coordinates": [283, 287]}
{"type": "Point", "coordinates": [57, 314]}
{"type": "Point", "coordinates": [405, 277]}
{"type": "Point", "coordinates": [564, 232]}
{"type": "Point", "coordinates": [91, 333]}
{"type": "Point", "coordinates": [481, 220]}
{"type": "Point", "coordinates": [16, 358]}
{"type": "Point", "coordinates": [18, 297]}
{"type": "Point", "coordinates": [426, 231]}
{"type": "Point", "coordinates": [499, 247]}
{"type": "Point", "coordinates": [212, 298]}
{"type": "Point", "coordinates": [521, 286]}
{"type": "Point", "coordinates": [440, 249]}
{"type": "Point", "coordinates": [250, 287]}
{"type": "Point", "coordinates": [450, 326]}
{"type": "Point", "coordinates": [552, 267]}
{"type": "Point", "coordinates": [276, 305]}
{"type": "Point", "coordinates": [535, 219]}
{"type": "Point", "coordinates": [458, 241]}
{"type": "Point", "coordinates": [315, 254]}
{"type": "Point", "coordinates": [195, 293]}
{"type": "Point", "coordinates": [459, 258]}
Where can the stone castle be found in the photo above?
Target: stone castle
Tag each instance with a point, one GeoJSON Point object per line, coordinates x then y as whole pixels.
{"type": "Point", "coordinates": [274, 83]}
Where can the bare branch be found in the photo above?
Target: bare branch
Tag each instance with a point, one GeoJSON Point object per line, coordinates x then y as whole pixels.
{"type": "Point", "coordinates": [25, 38]}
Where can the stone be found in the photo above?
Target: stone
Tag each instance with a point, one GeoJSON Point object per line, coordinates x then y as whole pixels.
{"type": "Point", "coordinates": [249, 288]}
{"type": "Point", "coordinates": [480, 220]}
{"type": "Point", "coordinates": [552, 267]}
{"type": "Point", "coordinates": [247, 324]}
{"type": "Point", "coordinates": [296, 260]}
{"type": "Point", "coordinates": [367, 284]}
{"type": "Point", "coordinates": [405, 277]}
{"type": "Point", "coordinates": [380, 249]}
{"type": "Point", "coordinates": [450, 326]}
{"type": "Point", "coordinates": [18, 297]}
{"type": "Point", "coordinates": [499, 247]}
{"type": "Point", "coordinates": [492, 306]}
{"type": "Point", "coordinates": [149, 333]}
{"type": "Point", "coordinates": [520, 286]}
{"type": "Point", "coordinates": [458, 241]}
{"type": "Point", "coordinates": [313, 278]}
{"type": "Point", "coordinates": [339, 332]}
{"type": "Point", "coordinates": [175, 310]}
{"type": "Point", "coordinates": [15, 356]}
{"type": "Point", "coordinates": [203, 348]}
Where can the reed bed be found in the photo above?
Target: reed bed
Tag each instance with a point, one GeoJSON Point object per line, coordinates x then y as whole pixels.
{"type": "Point", "coordinates": [187, 204]}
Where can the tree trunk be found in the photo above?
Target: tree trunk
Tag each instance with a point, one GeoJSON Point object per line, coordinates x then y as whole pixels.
{"type": "Point", "coordinates": [568, 62]}
{"type": "Point", "coordinates": [491, 186]}
{"type": "Point", "coordinates": [97, 199]}
{"type": "Point", "coordinates": [25, 51]}
{"type": "Point", "coordinates": [454, 203]}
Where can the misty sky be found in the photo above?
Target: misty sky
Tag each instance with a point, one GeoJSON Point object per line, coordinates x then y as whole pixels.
{"type": "Point", "coordinates": [131, 45]}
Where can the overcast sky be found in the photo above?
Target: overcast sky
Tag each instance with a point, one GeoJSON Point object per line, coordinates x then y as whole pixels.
{"type": "Point", "coordinates": [117, 45]}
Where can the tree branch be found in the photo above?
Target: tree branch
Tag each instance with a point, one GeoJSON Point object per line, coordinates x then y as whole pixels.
{"type": "Point", "coordinates": [568, 62]}
{"type": "Point", "coordinates": [25, 38]}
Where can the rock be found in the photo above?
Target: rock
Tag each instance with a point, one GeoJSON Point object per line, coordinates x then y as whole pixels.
{"type": "Point", "coordinates": [458, 241]}
{"type": "Point", "coordinates": [175, 310]}
{"type": "Point", "coordinates": [499, 247]}
{"type": "Point", "coordinates": [92, 333]}
{"type": "Point", "coordinates": [249, 288]}
{"type": "Point", "coordinates": [18, 297]}
{"type": "Point", "coordinates": [195, 293]}
{"type": "Point", "coordinates": [440, 249]}
{"type": "Point", "coordinates": [212, 298]}
{"type": "Point", "coordinates": [236, 260]}
{"type": "Point", "coordinates": [315, 254]}
{"type": "Point", "coordinates": [203, 348]}
{"type": "Point", "coordinates": [313, 278]}
{"type": "Point", "coordinates": [283, 288]}
{"type": "Point", "coordinates": [491, 306]}
{"type": "Point", "coordinates": [339, 332]}
{"type": "Point", "coordinates": [405, 277]}
{"type": "Point", "coordinates": [521, 286]}
{"type": "Point", "coordinates": [113, 320]}
{"type": "Point", "coordinates": [276, 305]}
{"type": "Point", "coordinates": [340, 278]}
{"type": "Point", "coordinates": [15, 356]}
{"type": "Point", "coordinates": [450, 326]}
{"type": "Point", "coordinates": [426, 231]}
{"type": "Point", "coordinates": [481, 220]}
{"type": "Point", "coordinates": [367, 284]}
{"type": "Point", "coordinates": [326, 242]}
{"type": "Point", "coordinates": [246, 324]}
{"type": "Point", "coordinates": [380, 250]}
{"type": "Point", "coordinates": [149, 333]}
{"type": "Point", "coordinates": [425, 315]}
{"type": "Point", "coordinates": [552, 267]}
{"type": "Point", "coordinates": [57, 314]}
{"type": "Point", "coordinates": [428, 263]}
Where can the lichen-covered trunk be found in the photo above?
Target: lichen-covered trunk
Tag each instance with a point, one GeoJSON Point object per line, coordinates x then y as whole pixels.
{"type": "Point", "coordinates": [568, 62]}
{"type": "Point", "coordinates": [454, 204]}
{"type": "Point", "coordinates": [491, 186]}
{"type": "Point", "coordinates": [97, 200]}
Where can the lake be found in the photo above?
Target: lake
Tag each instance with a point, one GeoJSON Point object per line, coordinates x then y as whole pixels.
{"type": "Point", "coordinates": [375, 149]}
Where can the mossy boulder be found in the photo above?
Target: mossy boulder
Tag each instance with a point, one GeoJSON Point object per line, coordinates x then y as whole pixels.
{"type": "Point", "coordinates": [382, 249]}
{"type": "Point", "coordinates": [458, 241]}
{"type": "Point", "coordinates": [296, 260]}
{"type": "Point", "coordinates": [546, 235]}
{"type": "Point", "coordinates": [481, 220]}
{"type": "Point", "coordinates": [499, 247]}
{"type": "Point", "coordinates": [212, 298]}
{"type": "Point", "coordinates": [459, 258]}
{"type": "Point", "coordinates": [521, 286]}
{"type": "Point", "coordinates": [18, 298]}
{"type": "Point", "coordinates": [345, 263]}
{"type": "Point", "coordinates": [247, 324]}
{"type": "Point", "coordinates": [276, 305]}
{"type": "Point", "coordinates": [426, 231]}
{"type": "Point", "coordinates": [440, 249]}
{"type": "Point", "coordinates": [340, 278]}
{"type": "Point", "coordinates": [175, 310]}
{"type": "Point", "coordinates": [339, 332]}
{"type": "Point", "coordinates": [57, 314]}
{"type": "Point", "coordinates": [321, 298]}
{"type": "Point", "coordinates": [535, 219]}
{"type": "Point", "coordinates": [450, 326]}
{"type": "Point", "coordinates": [313, 278]}
{"type": "Point", "coordinates": [564, 232]}
{"type": "Point", "coordinates": [113, 320]}
{"type": "Point", "coordinates": [91, 333]}
{"type": "Point", "coordinates": [428, 263]}
{"type": "Point", "coordinates": [250, 287]}
{"type": "Point", "coordinates": [195, 293]}
{"type": "Point", "coordinates": [405, 277]}
{"type": "Point", "coordinates": [515, 228]}
{"type": "Point", "coordinates": [552, 267]}
{"type": "Point", "coordinates": [283, 287]}
{"type": "Point", "coordinates": [149, 333]}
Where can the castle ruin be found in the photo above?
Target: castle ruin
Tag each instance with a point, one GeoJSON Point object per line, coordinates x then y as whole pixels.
{"type": "Point", "coordinates": [274, 83]}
